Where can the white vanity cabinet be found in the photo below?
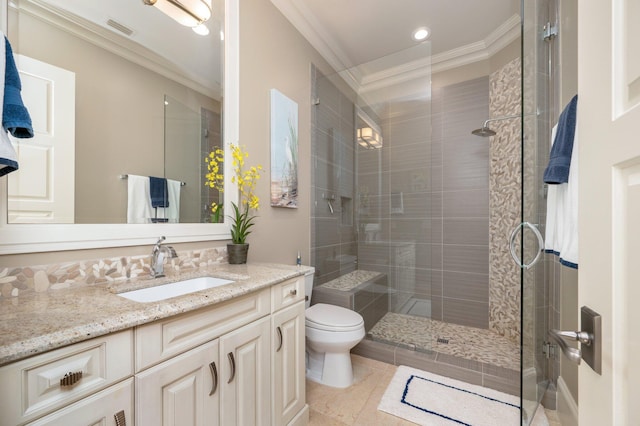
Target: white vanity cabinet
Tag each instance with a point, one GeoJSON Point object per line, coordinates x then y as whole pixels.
{"type": "Point", "coordinates": [85, 382]}
{"type": "Point", "coordinates": [181, 391]}
{"type": "Point", "coordinates": [288, 360]}
{"type": "Point", "coordinates": [238, 362]}
{"type": "Point", "coordinates": [246, 380]}
{"type": "Point", "coordinates": [288, 355]}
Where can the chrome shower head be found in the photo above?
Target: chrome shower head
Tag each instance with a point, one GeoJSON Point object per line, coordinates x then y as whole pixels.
{"type": "Point", "coordinates": [484, 132]}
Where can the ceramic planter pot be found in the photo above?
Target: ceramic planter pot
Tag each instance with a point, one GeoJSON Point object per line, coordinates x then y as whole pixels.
{"type": "Point", "coordinates": [237, 253]}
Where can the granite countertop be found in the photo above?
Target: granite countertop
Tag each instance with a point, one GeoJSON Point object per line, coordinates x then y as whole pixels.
{"type": "Point", "coordinates": [43, 321]}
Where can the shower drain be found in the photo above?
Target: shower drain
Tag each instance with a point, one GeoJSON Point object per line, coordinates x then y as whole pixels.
{"type": "Point", "coordinates": [443, 340]}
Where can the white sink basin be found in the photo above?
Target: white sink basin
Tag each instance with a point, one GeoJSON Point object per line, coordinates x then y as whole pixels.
{"type": "Point", "coordinates": [167, 291]}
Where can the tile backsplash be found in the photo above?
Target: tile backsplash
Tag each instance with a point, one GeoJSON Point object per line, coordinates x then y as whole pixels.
{"type": "Point", "coordinates": [17, 281]}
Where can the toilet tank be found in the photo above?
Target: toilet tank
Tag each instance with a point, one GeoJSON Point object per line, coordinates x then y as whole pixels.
{"type": "Point", "coordinates": [308, 286]}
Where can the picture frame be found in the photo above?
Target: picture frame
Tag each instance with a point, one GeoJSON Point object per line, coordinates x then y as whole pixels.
{"type": "Point", "coordinates": [284, 151]}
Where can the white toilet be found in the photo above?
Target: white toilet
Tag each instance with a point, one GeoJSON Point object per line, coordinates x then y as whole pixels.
{"type": "Point", "coordinates": [331, 332]}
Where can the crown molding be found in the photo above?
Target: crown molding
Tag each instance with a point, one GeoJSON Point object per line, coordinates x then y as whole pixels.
{"type": "Point", "coordinates": [505, 34]}
{"type": "Point", "coordinates": [304, 21]}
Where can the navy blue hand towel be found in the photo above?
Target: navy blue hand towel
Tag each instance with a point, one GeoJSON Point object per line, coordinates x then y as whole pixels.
{"type": "Point", "coordinates": [557, 171]}
{"type": "Point", "coordinates": [159, 192]}
{"type": "Point", "coordinates": [15, 117]}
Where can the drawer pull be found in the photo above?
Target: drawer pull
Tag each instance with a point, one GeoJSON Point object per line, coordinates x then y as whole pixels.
{"type": "Point", "coordinates": [120, 419]}
{"type": "Point", "coordinates": [293, 292]}
{"type": "Point", "coordinates": [279, 330]}
{"type": "Point", "coordinates": [71, 379]}
{"type": "Point", "coordinates": [214, 377]}
{"type": "Point", "coordinates": [232, 361]}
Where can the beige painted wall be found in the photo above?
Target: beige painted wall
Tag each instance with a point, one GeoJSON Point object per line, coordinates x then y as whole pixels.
{"type": "Point", "coordinates": [274, 55]}
{"type": "Point", "coordinates": [119, 121]}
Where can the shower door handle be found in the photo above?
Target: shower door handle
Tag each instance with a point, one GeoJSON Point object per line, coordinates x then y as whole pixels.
{"type": "Point", "coordinates": [512, 245]}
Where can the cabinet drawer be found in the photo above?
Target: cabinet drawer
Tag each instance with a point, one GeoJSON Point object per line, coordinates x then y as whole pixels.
{"type": "Point", "coordinates": [287, 293]}
{"type": "Point", "coordinates": [98, 409]}
{"type": "Point", "coordinates": [164, 339]}
{"type": "Point", "coordinates": [38, 385]}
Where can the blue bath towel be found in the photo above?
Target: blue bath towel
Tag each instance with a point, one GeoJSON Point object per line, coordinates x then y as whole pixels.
{"type": "Point", "coordinates": [557, 171]}
{"type": "Point", "coordinates": [15, 117]}
{"type": "Point", "coordinates": [158, 192]}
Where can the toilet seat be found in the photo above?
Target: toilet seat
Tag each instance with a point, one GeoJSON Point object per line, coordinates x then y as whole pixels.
{"type": "Point", "coordinates": [326, 317]}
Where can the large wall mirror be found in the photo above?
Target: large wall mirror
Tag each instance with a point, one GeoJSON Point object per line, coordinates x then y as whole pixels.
{"type": "Point", "coordinates": [117, 90]}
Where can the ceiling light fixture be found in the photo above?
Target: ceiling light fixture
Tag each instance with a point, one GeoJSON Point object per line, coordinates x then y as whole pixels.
{"type": "Point", "coordinates": [201, 29]}
{"type": "Point", "coordinates": [189, 13]}
{"type": "Point", "coordinates": [369, 138]}
{"type": "Point", "coordinates": [421, 33]}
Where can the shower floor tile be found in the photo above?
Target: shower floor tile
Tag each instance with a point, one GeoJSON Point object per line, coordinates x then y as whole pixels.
{"type": "Point", "coordinates": [426, 334]}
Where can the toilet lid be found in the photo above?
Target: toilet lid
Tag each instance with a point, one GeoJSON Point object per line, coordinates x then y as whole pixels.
{"type": "Point", "coordinates": [325, 316]}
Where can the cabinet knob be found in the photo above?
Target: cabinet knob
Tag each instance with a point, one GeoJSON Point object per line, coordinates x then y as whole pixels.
{"type": "Point", "coordinates": [293, 292]}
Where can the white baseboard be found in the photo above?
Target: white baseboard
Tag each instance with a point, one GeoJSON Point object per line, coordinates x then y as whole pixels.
{"type": "Point", "coordinates": [567, 406]}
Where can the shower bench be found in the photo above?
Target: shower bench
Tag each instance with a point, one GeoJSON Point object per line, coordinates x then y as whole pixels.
{"type": "Point", "coordinates": [366, 292]}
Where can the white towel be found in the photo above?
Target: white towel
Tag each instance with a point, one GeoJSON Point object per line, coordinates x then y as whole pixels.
{"type": "Point", "coordinates": [139, 208]}
{"type": "Point", "coordinates": [561, 231]}
{"type": "Point", "coordinates": [8, 156]}
{"type": "Point", "coordinates": [173, 193]}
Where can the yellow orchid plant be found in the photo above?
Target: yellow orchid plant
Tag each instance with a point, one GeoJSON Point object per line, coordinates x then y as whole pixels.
{"type": "Point", "coordinates": [246, 178]}
{"type": "Point", "coordinates": [215, 179]}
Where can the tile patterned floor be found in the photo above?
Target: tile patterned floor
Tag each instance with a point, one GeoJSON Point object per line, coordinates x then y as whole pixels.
{"type": "Point", "coordinates": [358, 405]}
{"type": "Point", "coordinates": [466, 342]}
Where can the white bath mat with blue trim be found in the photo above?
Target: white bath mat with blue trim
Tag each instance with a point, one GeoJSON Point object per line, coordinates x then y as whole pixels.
{"type": "Point", "coordinates": [432, 400]}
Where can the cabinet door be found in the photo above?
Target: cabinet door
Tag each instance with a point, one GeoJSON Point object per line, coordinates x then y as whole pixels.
{"type": "Point", "coordinates": [98, 409]}
{"type": "Point", "coordinates": [182, 391]}
{"type": "Point", "coordinates": [245, 375]}
{"type": "Point", "coordinates": [288, 385]}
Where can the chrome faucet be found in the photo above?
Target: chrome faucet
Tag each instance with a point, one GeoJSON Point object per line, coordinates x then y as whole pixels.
{"type": "Point", "coordinates": [158, 254]}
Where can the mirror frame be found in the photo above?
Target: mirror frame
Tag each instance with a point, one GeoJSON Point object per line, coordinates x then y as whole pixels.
{"type": "Point", "coordinates": [33, 238]}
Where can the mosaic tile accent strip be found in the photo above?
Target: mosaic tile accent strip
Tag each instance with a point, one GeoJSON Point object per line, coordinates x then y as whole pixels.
{"type": "Point", "coordinates": [504, 201]}
{"type": "Point", "coordinates": [351, 280]}
{"type": "Point", "coordinates": [19, 281]}
{"type": "Point", "coordinates": [425, 334]}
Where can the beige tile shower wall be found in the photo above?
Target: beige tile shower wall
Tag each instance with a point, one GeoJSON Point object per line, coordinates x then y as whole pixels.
{"type": "Point", "coordinates": [333, 240]}
{"type": "Point", "coordinates": [460, 205]}
{"type": "Point", "coordinates": [504, 201]}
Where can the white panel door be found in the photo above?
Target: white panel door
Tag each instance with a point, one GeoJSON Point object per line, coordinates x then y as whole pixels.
{"type": "Point", "coordinates": [609, 206]}
{"type": "Point", "coordinates": [245, 375]}
{"type": "Point", "coordinates": [288, 387]}
{"type": "Point", "coordinates": [183, 391]}
{"type": "Point", "coordinates": [42, 189]}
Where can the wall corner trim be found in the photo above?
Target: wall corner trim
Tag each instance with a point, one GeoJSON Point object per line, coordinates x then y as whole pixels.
{"type": "Point", "coordinates": [567, 406]}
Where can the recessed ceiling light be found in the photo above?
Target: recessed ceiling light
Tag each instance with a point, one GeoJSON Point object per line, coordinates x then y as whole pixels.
{"type": "Point", "coordinates": [421, 33]}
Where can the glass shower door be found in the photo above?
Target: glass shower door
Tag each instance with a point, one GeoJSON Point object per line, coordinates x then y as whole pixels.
{"type": "Point", "coordinates": [538, 98]}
